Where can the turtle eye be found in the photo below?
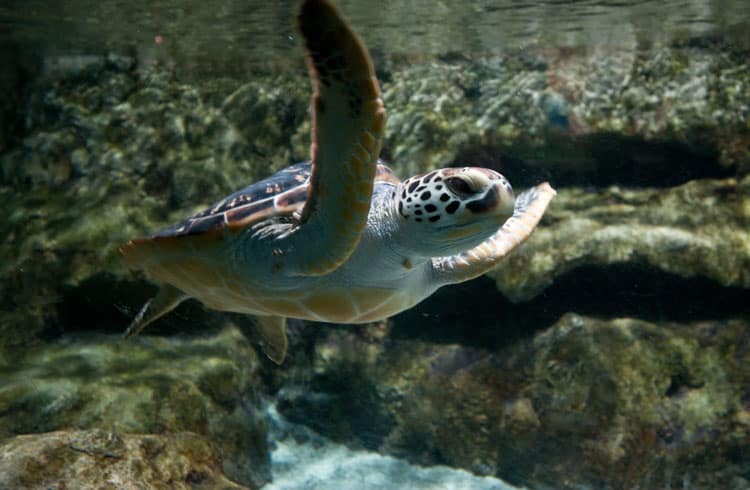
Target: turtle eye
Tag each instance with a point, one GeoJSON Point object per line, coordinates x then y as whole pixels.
{"type": "Point", "coordinates": [459, 186]}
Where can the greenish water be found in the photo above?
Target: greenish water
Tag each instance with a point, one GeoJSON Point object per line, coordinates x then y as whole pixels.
{"type": "Point", "coordinates": [611, 350]}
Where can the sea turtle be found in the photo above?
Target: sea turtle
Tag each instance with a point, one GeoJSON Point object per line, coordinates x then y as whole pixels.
{"type": "Point", "coordinates": [338, 239]}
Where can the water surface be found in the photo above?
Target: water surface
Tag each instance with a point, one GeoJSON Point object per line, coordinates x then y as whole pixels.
{"type": "Point", "coordinates": [195, 34]}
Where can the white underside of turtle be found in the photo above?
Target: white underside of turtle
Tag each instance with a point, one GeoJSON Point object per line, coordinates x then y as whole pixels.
{"type": "Point", "coordinates": [338, 239]}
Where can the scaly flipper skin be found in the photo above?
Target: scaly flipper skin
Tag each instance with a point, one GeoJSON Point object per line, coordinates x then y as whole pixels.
{"type": "Point", "coordinates": [348, 123]}
{"type": "Point", "coordinates": [529, 208]}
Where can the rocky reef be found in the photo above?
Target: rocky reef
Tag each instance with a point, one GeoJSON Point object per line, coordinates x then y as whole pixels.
{"type": "Point", "coordinates": [697, 229]}
{"type": "Point", "coordinates": [209, 387]}
{"type": "Point", "coordinates": [585, 402]}
{"type": "Point", "coordinates": [96, 459]}
{"type": "Point", "coordinates": [612, 347]}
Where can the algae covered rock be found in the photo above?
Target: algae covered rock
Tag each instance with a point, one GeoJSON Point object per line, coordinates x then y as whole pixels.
{"type": "Point", "coordinates": [98, 459]}
{"type": "Point", "coordinates": [551, 108]}
{"type": "Point", "coordinates": [583, 403]}
{"type": "Point", "coordinates": [113, 151]}
{"type": "Point", "coordinates": [701, 228]}
{"type": "Point", "coordinates": [146, 386]}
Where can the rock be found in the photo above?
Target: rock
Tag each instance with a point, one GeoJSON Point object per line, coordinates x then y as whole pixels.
{"type": "Point", "coordinates": [701, 228]}
{"type": "Point", "coordinates": [145, 386]}
{"type": "Point", "coordinates": [565, 114]}
{"type": "Point", "coordinates": [98, 459]}
{"type": "Point", "coordinates": [582, 403]}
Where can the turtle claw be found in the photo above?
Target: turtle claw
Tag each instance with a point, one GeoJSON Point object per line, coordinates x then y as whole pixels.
{"type": "Point", "coordinates": [165, 301]}
{"type": "Point", "coordinates": [137, 324]}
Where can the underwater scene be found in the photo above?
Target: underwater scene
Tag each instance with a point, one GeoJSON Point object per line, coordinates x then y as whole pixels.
{"type": "Point", "coordinates": [340, 244]}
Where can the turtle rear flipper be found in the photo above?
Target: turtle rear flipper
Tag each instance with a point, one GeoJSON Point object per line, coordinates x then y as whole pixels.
{"type": "Point", "coordinates": [271, 331]}
{"type": "Point", "coordinates": [348, 121]}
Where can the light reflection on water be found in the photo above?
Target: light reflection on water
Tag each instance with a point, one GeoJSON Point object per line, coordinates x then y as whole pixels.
{"type": "Point", "coordinates": [257, 32]}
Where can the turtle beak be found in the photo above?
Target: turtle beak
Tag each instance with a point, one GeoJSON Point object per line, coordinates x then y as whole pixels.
{"type": "Point", "coordinates": [497, 200]}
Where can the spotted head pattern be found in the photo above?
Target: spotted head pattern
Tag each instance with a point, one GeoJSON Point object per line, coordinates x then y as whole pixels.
{"type": "Point", "coordinates": [451, 192]}
{"type": "Point", "coordinates": [454, 208]}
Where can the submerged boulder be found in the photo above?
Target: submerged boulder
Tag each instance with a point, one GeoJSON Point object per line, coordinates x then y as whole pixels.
{"type": "Point", "coordinates": [208, 386]}
{"type": "Point", "coordinates": [583, 403]}
{"type": "Point", "coordinates": [698, 229]}
{"type": "Point", "coordinates": [99, 459]}
{"type": "Point", "coordinates": [591, 113]}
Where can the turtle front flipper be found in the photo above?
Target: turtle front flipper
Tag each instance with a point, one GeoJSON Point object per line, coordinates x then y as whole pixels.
{"type": "Point", "coordinates": [165, 301]}
{"type": "Point", "coordinates": [528, 210]}
{"type": "Point", "coordinates": [348, 121]}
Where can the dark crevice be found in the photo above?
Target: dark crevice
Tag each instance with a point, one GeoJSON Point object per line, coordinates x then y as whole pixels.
{"type": "Point", "coordinates": [601, 160]}
{"type": "Point", "coordinates": [105, 304]}
{"type": "Point", "coordinates": [20, 69]}
{"type": "Point", "coordinates": [477, 314]}
{"type": "Point", "coordinates": [473, 313]}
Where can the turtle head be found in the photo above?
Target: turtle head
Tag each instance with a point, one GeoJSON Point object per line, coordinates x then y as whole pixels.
{"type": "Point", "coordinates": [452, 209]}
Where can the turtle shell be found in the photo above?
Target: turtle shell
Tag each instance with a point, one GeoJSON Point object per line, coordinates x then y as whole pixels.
{"type": "Point", "coordinates": [281, 194]}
